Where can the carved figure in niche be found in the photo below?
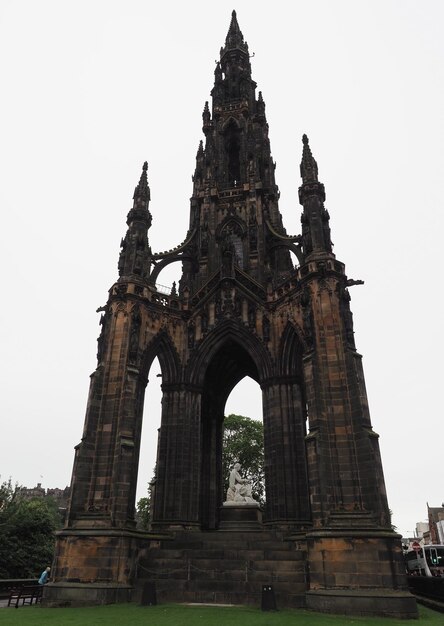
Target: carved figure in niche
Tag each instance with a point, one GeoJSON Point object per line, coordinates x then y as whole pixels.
{"type": "Point", "coordinates": [253, 238]}
{"type": "Point", "coordinates": [326, 229]}
{"type": "Point", "coordinates": [191, 335]}
{"type": "Point", "coordinates": [307, 243]}
{"type": "Point", "coordinates": [239, 490]}
{"type": "Point", "coordinates": [252, 216]}
{"type": "Point", "coordinates": [238, 306]}
{"type": "Point", "coordinates": [227, 253]}
{"type": "Point", "coordinates": [218, 307]}
{"type": "Point", "coordinates": [121, 263]}
{"type": "Point", "coordinates": [138, 262]}
{"type": "Point", "coordinates": [101, 339]}
{"type": "Point", "coordinates": [347, 315]}
{"type": "Point", "coordinates": [266, 329]}
{"type": "Point", "coordinates": [250, 166]}
{"type": "Point", "coordinates": [204, 239]}
{"type": "Point", "coordinates": [307, 317]}
{"type": "Point", "coordinates": [228, 304]}
{"type": "Point", "coordinates": [204, 321]}
{"type": "Point", "coordinates": [251, 316]}
{"type": "Point", "coordinates": [134, 334]}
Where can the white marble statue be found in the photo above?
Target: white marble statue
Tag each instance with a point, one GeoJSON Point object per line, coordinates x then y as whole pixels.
{"type": "Point", "coordinates": [239, 489]}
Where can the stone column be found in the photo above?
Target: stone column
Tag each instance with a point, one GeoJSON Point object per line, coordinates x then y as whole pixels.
{"type": "Point", "coordinates": [178, 472]}
{"type": "Point", "coordinates": [285, 461]}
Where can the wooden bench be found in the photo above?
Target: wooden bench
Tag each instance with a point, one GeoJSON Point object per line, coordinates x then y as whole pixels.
{"type": "Point", "coordinates": [28, 594]}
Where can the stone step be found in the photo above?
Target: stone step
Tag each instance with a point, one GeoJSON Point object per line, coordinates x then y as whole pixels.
{"type": "Point", "coordinates": [221, 535]}
{"type": "Point", "coordinates": [225, 567]}
{"type": "Point", "coordinates": [237, 576]}
{"type": "Point", "coordinates": [289, 594]}
{"type": "Point", "coordinates": [224, 564]}
{"type": "Point", "coordinates": [183, 544]}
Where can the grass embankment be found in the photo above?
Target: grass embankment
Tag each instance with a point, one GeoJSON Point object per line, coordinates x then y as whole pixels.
{"type": "Point", "coordinates": [183, 615]}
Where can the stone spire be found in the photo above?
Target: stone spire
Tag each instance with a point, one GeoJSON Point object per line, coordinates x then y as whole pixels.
{"type": "Point", "coordinates": [135, 255]}
{"type": "Point", "coordinates": [142, 191]}
{"type": "Point", "coordinates": [234, 38]}
{"type": "Point", "coordinates": [206, 118]}
{"type": "Point", "coordinates": [309, 167]}
{"type": "Point", "coordinates": [315, 218]}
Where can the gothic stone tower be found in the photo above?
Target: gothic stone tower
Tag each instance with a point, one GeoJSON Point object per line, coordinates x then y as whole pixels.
{"type": "Point", "coordinates": [241, 309]}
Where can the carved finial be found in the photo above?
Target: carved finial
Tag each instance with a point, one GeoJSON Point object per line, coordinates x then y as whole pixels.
{"type": "Point", "coordinates": [206, 116]}
{"type": "Point", "coordinates": [200, 149]}
{"type": "Point", "coordinates": [309, 167]}
{"type": "Point", "coordinates": [142, 191]}
{"type": "Point", "coordinates": [260, 107]}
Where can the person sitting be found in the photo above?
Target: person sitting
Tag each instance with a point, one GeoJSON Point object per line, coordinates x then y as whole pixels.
{"type": "Point", "coordinates": [239, 489]}
{"type": "Point", "coordinates": [44, 577]}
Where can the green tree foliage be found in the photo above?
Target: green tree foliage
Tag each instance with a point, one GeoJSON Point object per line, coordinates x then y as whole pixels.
{"type": "Point", "coordinates": [143, 507]}
{"type": "Point", "coordinates": [143, 513]}
{"type": "Point", "coordinates": [26, 533]}
{"type": "Point", "coordinates": [243, 442]}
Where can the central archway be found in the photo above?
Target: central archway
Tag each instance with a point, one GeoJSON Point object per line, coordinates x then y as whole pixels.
{"type": "Point", "coordinates": [229, 365]}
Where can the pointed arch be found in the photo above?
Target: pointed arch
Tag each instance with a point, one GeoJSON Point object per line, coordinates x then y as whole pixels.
{"type": "Point", "coordinates": [291, 349]}
{"type": "Point", "coordinates": [228, 334]}
{"type": "Point", "coordinates": [162, 347]}
{"type": "Point", "coordinates": [236, 224]}
{"type": "Point", "coordinates": [231, 121]}
{"type": "Point", "coordinates": [167, 261]}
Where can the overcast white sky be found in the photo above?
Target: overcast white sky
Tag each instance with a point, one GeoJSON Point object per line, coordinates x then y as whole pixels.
{"type": "Point", "coordinates": [91, 89]}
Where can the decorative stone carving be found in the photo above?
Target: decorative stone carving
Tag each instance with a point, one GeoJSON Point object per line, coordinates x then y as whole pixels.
{"type": "Point", "coordinates": [104, 319]}
{"type": "Point", "coordinates": [239, 489]}
{"type": "Point", "coordinates": [266, 328]}
{"type": "Point", "coordinates": [136, 321]}
{"type": "Point", "coordinates": [191, 334]}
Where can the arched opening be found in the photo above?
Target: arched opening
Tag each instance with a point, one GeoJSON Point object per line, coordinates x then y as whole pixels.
{"type": "Point", "coordinates": [149, 437]}
{"type": "Point", "coordinates": [243, 437]}
{"type": "Point", "coordinates": [168, 278]}
{"type": "Point", "coordinates": [159, 367]}
{"type": "Point", "coordinates": [228, 367]}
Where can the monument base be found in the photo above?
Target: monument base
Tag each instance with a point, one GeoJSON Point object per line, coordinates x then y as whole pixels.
{"type": "Point", "coordinates": [240, 517]}
{"type": "Point", "coordinates": [362, 602]}
{"type": "Point", "coordinates": [63, 594]}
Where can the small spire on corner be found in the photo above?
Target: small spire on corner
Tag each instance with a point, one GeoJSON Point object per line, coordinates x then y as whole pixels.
{"type": "Point", "coordinates": [309, 167]}
{"type": "Point", "coordinates": [142, 191]}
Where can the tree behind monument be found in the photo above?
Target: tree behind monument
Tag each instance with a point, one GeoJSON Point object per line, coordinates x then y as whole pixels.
{"type": "Point", "coordinates": [243, 442]}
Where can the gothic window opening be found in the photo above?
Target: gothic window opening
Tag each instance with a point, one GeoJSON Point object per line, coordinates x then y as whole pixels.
{"type": "Point", "coordinates": [232, 149]}
{"type": "Point", "coordinates": [231, 234]}
{"type": "Point", "coordinates": [150, 430]}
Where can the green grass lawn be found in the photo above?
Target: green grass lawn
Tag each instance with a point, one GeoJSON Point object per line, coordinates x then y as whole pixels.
{"type": "Point", "coordinates": [183, 615]}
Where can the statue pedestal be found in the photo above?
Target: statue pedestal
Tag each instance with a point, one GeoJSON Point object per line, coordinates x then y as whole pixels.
{"type": "Point", "coordinates": [240, 517]}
